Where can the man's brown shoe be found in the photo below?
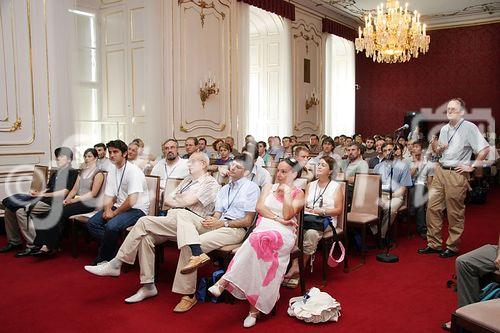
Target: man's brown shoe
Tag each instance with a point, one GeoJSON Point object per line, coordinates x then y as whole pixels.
{"type": "Point", "coordinates": [185, 304]}
{"type": "Point", "coordinates": [194, 263]}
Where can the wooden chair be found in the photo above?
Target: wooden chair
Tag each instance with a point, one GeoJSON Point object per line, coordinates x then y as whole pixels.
{"type": "Point", "coordinates": [365, 209]}
{"type": "Point", "coordinates": [327, 240]}
{"type": "Point", "coordinates": [153, 183]}
{"type": "Point", "coordinates": [298, 252]}
{"type": "Point", "coordinates": [340, 176]}
{"type": "Point", "coordinates": [481, 317]}
{"type": "Point", "coordinates": [170, 185]}
{"type": "Point", "coordinates": [272, 170]}
{"type": "Point", "coordinates": [221, 179]}
{"type": "Point", "coordinates": [38, 181]}
{"type": "Point", "coordinates": [82, 219]}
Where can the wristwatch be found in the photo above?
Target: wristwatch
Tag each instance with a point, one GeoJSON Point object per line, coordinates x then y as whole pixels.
{"type": "Point", "coordinates": [226, 223]}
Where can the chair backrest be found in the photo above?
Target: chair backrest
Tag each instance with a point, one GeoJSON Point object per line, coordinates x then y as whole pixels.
{"type": "Point", "coordinates": [301, 183]}
{"type": "Point", "coordinates": [221, 179]}
{"type": "Point", "coordinates": [100, 196]}
{"type": "Point", "coordinates": [39, 180]}
{"type": "Point", "coordinates": [340, 176]}
{"type": "Point", "coordinates": [342, 218]}
{"type": "Point", "coordinates": [366, 193]}
{"type": "Point", "coordinates": [153, 183]}
{"type": "Point", "coordinates": [272, 170]}
{"type": "Point", "coordinates": [170, 185]}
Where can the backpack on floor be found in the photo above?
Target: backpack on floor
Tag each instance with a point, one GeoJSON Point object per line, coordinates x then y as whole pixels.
{"type": "Point", "coordinates": [204, 283]}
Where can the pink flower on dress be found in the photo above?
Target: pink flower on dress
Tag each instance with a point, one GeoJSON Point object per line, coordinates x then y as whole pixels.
{"type": "Point", "coordinates": [266, 245]}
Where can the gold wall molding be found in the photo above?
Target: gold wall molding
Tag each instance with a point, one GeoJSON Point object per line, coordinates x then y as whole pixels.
{"type": "Point", "coordinates": [203, 5]}
{"type": "Point", "coordinates": [30, 44]}
{"type": "Point", "coordinates": [308, 33]}
{"type": "Point", "coordinates": [187, 130]}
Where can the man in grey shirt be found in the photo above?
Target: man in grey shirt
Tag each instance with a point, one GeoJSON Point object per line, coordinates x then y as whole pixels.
{"type": "Point", "coordinates": [457, 141]}
{"type": "Point", "coordinates": [351, 166]}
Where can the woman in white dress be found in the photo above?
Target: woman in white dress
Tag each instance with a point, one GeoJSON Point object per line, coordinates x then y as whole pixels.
{"type": "Point", "coordinates": [323, 198]}
{"type": "Point", "coordinates": [257, 269]}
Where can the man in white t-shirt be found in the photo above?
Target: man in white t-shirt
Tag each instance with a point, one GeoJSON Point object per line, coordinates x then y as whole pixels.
{"type": "Point", "coordinates": [126, 199]}
{"type": "Point", "coordinates": [172, 166]}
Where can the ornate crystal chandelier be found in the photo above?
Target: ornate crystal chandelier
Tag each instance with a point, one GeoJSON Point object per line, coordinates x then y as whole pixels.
{"type": "Point", "coordinates": [393, 35]}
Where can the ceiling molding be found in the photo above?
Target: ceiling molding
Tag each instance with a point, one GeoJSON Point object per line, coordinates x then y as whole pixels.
{"type": "Point", "coordinates": [447, 14]}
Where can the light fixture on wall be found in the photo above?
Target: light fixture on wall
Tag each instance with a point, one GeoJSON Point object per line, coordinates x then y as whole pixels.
{"type": "Point", "coordinates": [393, 35]}
{"type": "Point", "coordinates": [312, 101]}
{"type": "Point", "coordinates": [208, 88]}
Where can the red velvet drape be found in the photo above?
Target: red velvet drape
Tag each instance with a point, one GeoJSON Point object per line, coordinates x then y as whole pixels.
{"type": "Point", "coordinates": [338, 29]}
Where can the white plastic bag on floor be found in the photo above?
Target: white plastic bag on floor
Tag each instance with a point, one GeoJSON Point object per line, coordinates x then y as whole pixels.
{"type": "Point", "coordinates": [314, 307]}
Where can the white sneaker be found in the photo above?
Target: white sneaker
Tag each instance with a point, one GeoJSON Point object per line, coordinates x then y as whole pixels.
{"type": "Point", "coordinates": [142, 294]}
{"type": "Point", "coordinates": [216, 290]}
{"type": "Point", "coordinates": [250, 320]}
{"type": "Point", "coordinates": [103, 269]}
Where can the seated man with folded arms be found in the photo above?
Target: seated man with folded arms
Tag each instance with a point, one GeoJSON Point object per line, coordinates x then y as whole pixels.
{"type": "Point", "coordinates": [192, 200]}
{"type": "Point", "coordinates": [126, 199]}
{"type": "Point", "coordinates": [172, 166]}
{"type": "Point", "coordinates": [234, 212]}
{"type": "Point", "coordinates": [401, 179]}
{"type": "Point", "coordinates": [351, 166]}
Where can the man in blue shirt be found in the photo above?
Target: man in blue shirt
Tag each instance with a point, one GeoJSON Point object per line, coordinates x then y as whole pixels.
{"type": "Point", "coordinates": [401, 179]}
{"type": "Point", "coordinates": [234, 212]}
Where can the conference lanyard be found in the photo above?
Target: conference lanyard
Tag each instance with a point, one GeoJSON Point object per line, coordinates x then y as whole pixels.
{"type": "Point", "coordinates": [320, 197]}
{"type": "Point", "coordinates": [449, 140]}
{"type": "Point", "coordinates": [121, 179]}
{"type": "Point", "coordinates": [168, 174]}
{"type": "Point", "coordinates": [185, 188]}
{"type": "Point", "coordinates": [230, 202]}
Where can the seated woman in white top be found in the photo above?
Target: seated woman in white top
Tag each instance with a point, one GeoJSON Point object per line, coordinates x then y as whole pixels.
{"type": "Point", "coordinates": [323, 198]}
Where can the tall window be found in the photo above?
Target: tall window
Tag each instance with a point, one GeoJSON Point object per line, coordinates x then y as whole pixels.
{"type": "Point", "coordinates": [340, 86]}
{"type": "Point", "coordinates": [88, 87]}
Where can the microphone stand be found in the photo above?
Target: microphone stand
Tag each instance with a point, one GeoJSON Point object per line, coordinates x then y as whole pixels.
{"type": "Point", "coordinates": [385, 256]}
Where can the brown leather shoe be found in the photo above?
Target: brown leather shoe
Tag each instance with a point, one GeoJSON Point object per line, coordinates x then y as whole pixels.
{"type": "Point", "coordinates": [194, 263]}
{"type": "Point", "coordinates": [185, 304]}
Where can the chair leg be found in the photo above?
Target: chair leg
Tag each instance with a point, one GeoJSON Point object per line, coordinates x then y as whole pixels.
{"type": "Point", "coordinates": [363, 244]}
{"type": "Point", "coordinates": [301, 273]}
{"type": "Point", "coordinates": [346, 258]}
{"type": "Point", "coordinates": [74, 239]}
{"type": "Point", "coordinates": [325, 260]}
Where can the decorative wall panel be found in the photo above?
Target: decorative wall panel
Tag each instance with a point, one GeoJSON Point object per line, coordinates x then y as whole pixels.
{"type": "Point", "coordinates": [201, 51]}
{"type": "Point", "coordinates": [307, 44]}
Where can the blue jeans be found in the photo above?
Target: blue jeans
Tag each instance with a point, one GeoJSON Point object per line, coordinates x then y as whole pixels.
{"type": "Point", "coordinates": [108, 232]}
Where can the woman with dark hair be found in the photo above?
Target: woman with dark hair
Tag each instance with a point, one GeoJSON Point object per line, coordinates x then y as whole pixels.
{"type": "Point", "coordinates": [267, 249]}
{"type": "Point", "coordinates": [216, 145]}
{"type": "Point", "coordinates": [323, 201]}
{"type": "Point", "coordinates": [225, 155]}
{"type": "Point", "coordinates": [398, 151]}
{"type": "Point", "coordinates": [263, 152]}
{"type": "Point", "coordinates": [80, 200]}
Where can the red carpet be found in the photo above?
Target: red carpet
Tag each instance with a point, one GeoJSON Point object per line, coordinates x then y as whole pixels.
{"type": "Point", "coordinates": [411, 296]}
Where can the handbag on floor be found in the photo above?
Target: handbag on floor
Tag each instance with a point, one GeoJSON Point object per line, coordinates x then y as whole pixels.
{"type": "Point", "coordinates": [315, 307]}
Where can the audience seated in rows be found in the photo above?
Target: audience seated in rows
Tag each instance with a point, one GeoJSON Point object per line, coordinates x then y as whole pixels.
{"type": "Point", "coordinates": [191, 202]}
{"type": "Point", "coordinates": [80, 200]}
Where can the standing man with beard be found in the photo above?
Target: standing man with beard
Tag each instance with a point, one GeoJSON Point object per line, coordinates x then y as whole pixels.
{"type": "Point", "coordinates": [172, 166]}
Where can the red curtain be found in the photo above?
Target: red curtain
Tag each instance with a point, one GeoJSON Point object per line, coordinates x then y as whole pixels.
{"type": "Point", "coordinates": [278, 7]}
{"type": "Point", "coordinates": [338, 29]}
